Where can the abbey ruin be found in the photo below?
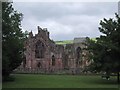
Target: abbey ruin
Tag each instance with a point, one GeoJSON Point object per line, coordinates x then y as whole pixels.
{"type": "Point", "coordinates": [44, 56]}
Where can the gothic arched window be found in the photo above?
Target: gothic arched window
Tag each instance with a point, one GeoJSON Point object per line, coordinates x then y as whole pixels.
{"type": "Point", "coordinates": [78, 50]}
{"type": "Point", "coordinates": [39, 50]}
{"type": "Point", "coordinates": [53, 60]}
{"type": "Point", "coordinates": [66, 61]}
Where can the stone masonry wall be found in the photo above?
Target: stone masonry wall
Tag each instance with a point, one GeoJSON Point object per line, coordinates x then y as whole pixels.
{"type": "Point", "coordinates": [43, 54]}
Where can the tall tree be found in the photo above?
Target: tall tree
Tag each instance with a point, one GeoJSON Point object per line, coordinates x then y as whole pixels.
{"type": "Point", "coordinates": [12, 39]}
{"type": "Point", "coordinates": [105, 51]}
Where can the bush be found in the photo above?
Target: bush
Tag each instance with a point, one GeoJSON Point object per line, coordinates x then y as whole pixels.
{"type": "Point", "coordinates": [8, 78]}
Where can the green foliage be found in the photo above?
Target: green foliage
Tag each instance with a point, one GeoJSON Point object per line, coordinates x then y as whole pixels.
{"type": "Point", "coordinates": [12, 39]}
{"type": "Point", "coordinates": [10, 78]}
{"type": "Point", "coordinates": [94, 39]}
{"type": "Point", "coordinates": [105, 51]}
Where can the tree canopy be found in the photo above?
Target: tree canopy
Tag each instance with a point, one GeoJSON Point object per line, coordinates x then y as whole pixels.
{"type": "Point", "coordinates": [12, 39]}
{"type": "Point", "coordinates": [105, 50]}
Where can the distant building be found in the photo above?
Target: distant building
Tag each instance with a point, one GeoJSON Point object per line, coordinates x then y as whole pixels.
{"type": "Point", "coordinates": [43, 55]}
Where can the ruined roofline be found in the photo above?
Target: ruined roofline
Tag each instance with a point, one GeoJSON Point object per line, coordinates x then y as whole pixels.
{"type": "Point", "coordinates": [44, 32]}
{"type": "Point", "coordinates": [40, 31]}
{"type": "Point", "coordinates": [79, 40]}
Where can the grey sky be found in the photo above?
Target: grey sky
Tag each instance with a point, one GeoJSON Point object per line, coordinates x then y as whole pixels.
{"type": "Point", "coordinates": [66, 20]}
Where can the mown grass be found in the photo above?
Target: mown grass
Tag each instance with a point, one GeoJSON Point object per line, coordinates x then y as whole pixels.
{"type": "Point", "coordinates": [59, 81]}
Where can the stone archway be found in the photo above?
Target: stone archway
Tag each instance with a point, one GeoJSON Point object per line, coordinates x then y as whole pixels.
{"type": "Point", "coordinates": [78, 58]}
{"type": "Point", "coordinates": [53, 60]}
{"type": "Point", "coordinates": [78, 55]}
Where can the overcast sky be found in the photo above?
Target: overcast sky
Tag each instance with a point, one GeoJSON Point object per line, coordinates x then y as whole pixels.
{"type": "Point", "coordinates": [65, 20]}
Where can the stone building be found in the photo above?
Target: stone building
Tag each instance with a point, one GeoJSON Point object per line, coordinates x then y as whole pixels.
{"type": "Point", "coordinates": [44, 55]}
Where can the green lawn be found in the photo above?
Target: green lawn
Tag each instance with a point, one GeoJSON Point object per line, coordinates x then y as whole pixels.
{"type": "Point", "coordinates": [64, 42]}
{"type": "Point", "coordinates": [59, 81]}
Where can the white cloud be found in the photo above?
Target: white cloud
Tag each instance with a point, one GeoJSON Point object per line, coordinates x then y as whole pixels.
{"type": "Point", "coordinates": [65, 20]}
{"type": "Point", "coordinates": [65, 0]}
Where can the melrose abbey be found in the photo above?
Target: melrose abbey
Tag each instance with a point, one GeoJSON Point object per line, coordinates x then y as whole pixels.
{"type": "Point", "coordinates": [43, 55]}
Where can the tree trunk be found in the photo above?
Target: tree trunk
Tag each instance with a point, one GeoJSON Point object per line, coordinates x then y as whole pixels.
{"type": "Point", "coordinates": [118, 79]}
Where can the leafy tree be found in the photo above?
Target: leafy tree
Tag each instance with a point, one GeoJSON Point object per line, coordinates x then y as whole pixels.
{"type": "Point", "coordinates": [12, 39]}
{"type": "Point", "coordinates": [105, 50]}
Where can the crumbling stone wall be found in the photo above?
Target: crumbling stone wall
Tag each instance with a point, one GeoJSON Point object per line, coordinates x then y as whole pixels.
{"type": "Point", "coordinates": [43, 54]}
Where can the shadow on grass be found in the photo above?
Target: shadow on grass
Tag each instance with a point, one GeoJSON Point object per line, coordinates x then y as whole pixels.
{"type": "Point", "coordinates": [10, 78]}
{"type": "Point", "coordinates": [111, 81]}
